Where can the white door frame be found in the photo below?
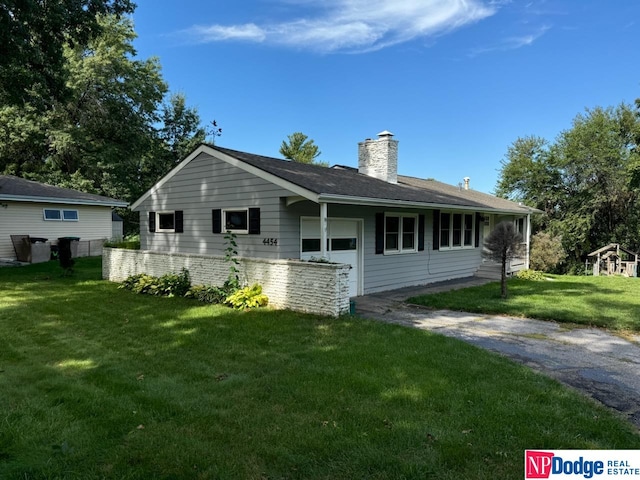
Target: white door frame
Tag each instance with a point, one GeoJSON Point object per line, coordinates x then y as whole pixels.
{"type": "Point", "coordinates": [359, 242]}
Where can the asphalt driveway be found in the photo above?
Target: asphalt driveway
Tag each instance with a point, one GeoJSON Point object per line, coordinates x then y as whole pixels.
{"type": "Point", "coordinates": [603, 366]}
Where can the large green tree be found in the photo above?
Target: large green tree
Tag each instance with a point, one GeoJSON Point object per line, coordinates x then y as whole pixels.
{"type": "Point", "coordinates": [111, 135]}
{"type": "Point", "coordinates": [33, 35]}
{"type": "Point", "coordinates": [299, 148]}
{"type": "Point", "coordinates": [583, 182]}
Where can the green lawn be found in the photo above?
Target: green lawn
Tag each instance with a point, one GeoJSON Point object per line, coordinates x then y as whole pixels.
{"type": "Point", "coordinates": [97, 382]}
{"type": "Point", "coordinates": [609, 302]}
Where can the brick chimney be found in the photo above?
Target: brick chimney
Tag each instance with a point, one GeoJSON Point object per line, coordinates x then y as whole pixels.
{"type": "Point", "coordinates": [379, 158]}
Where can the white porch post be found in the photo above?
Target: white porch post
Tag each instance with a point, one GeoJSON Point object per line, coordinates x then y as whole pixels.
{"type": "Point", "coordinates": [323, 230]}
{"type": "Point", "coordinates": [526, 258]}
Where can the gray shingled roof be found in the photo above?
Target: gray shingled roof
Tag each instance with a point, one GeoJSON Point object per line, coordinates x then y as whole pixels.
{"type": "Point", "coordinates": [346, 181]}
{"type": "Point", "coordinates": [22, 190]}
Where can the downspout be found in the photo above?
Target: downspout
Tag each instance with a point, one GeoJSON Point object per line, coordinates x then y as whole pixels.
{"type": "Point", "coordinates": [528, 246]}
{"type": "Point", "coordinates": [323, 231]}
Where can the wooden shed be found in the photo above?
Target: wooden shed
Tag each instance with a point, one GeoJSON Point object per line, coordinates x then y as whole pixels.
{"type": "Point", "coordinates": [614, 259]}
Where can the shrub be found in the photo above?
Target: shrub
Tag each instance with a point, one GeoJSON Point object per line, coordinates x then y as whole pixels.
{"type": "Point", "coordinates": [248, 297]}
{"type": "Point", "coordinates": [129, 243]}
{"type": "Point", "coordinates": [529, 274]}
{"type": "Point", "coordinates": [546, 252]}
{"type": "Point", "coordinates": [208, 294]}
{"type": "Point", "coordinates": [175, 284]}
{"type": "Point", "coordinates": [168, 285]}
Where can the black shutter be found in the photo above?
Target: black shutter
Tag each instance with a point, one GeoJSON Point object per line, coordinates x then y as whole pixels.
{"type": "Point", "coordinates": [178, 225]}
{"type": "Point", "coordinates": [216, 220]}
{"type": "Point", "coordinates": [420, 233]}
{"type": "Point", "coordinates": [152, 221]}
{"type": "Point", "coordinates": [479, 221]}
{"type": "Point", "coordinates": [379, 233]}
{"type": "Point", "coordinates": [254, 221]}
{"type": "Point", "coordinates": [436, 229]}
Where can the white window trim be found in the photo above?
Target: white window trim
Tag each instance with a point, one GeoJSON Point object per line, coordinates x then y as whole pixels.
{"type": "Point", "coordinates": [234, 230]}
{"type": "Point", "coordinates": [473, 231]}
{"type": "Point", "coordinates": [400, 250]}
{"type": "Point", "coordinates": [61, 212]}
{"type": "Point", "coordinates": [166, 230]}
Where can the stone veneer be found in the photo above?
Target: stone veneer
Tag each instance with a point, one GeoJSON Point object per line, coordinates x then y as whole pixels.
{"type": "Point", "coordinates": [379, 158]}
{"type": "Point", "coordinates": [321, 288]}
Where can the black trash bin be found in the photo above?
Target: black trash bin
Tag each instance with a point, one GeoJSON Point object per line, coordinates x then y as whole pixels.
{"type": "Point", "coordinates": [65, 253]}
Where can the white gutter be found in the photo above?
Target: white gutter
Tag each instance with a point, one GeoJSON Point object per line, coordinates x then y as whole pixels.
{"type": "Point", "coordinates": [65, 201]}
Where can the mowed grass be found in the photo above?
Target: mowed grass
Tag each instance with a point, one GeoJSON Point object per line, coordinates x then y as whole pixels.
{"type": "Point", "coordinates": [97, 382]}
{"type": "Point", "coordinates": [608, 302]}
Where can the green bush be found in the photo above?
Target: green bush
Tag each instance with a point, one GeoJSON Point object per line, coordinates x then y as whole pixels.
{"type": "Point", "coordinates": [168, 285]}
{"type": "Point", "coordinates": [129, 243]}
{"type": "Point", "coordinates": [529, 274]}
{"type": "Point", "coordinates": [208, 294]}
{"type": "Point", "coordinates": [547, 253]}
{"type": "Point", "coordinates": [247, 297]}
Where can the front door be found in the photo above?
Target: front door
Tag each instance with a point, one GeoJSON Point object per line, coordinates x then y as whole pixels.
{"type": "Point", "coordinates": [343, 245]}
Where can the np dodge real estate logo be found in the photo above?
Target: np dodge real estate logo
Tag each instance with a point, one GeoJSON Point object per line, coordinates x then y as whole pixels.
{"type": "Point", "coordinates": [599, 464]}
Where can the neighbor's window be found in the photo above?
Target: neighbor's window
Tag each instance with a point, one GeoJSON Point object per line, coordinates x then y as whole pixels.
{"type": "Point", "coordinates": [165, 222]}
{"type": "Point", "coordinates": [57, 215]}
{"type": "Point", "coordinates": [236, 221]}
{"type": "Point", "coordinates": [456, 230]}
{"type": "Point", "coordinates": [400, 233]}
{"type": "Point", "coordinates": [70, 215]}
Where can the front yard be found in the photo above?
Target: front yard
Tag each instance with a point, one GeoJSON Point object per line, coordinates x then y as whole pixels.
{"type": "Point", "coordinates": [96, 382]}
{"type": "Point", "coordinates": [609, 302]}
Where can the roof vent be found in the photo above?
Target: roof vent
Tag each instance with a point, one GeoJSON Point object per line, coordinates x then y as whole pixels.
{"type": "Point", "coordinates": [466, 183]}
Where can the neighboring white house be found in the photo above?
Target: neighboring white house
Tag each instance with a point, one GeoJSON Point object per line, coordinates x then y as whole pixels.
{"type": "Point", "coordinates": [44, 211]}
{"type": "Point", "coordinates": [393, 230]}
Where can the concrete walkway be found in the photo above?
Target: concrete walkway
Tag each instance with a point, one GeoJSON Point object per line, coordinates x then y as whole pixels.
{"type": "Point", "coordinates": [604, 366]}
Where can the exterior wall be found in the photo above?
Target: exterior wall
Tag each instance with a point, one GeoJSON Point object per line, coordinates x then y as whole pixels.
{"type": "Point", "coordinates": [302, 286]}
{"type": "Point", "coordinates": [26, 218]}
{"type": "Point", "coordinates": [382, 272]}
{"type": "Point", "coordinates": [207, 183]}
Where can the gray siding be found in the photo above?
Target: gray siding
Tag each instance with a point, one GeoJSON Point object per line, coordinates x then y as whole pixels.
{"type": "Point", "coordinates": [384, 272]}
{"type": "Point", "coordinates": [206, 184]}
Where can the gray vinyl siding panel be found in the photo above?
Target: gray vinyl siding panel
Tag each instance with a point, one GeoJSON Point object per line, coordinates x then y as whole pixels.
{"type": "Point", "coordinates": [205, 184]}
{"type": "Point", "coordinates": [386, 272]}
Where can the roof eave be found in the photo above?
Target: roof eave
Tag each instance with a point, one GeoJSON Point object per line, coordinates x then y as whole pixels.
{"type": "Point", "coordinates": [66, 201]}
{"type": "Point", "coordinates": [381, 202]}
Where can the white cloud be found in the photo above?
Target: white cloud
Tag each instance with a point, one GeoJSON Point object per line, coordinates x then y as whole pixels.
{"type": "Point", "coordinates": [354, 25]}
{"type": "Point", "coordinates": [512, 43]}
{"type": "Point", "coordinates": [216, 33]}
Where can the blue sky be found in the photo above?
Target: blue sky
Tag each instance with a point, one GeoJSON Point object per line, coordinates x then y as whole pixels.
{"type": "Point", "coordinates": [456, 81]}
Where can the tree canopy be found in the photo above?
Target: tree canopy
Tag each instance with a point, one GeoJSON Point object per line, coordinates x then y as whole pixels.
{"type": "Point", "coordinates": [584, 182]}
{"type": "Point", "coordinates": [300, 148]}
{"type": "Point", "coordinates": [113, 133]}
{"type": "Point", "coordinates": [33, 36]}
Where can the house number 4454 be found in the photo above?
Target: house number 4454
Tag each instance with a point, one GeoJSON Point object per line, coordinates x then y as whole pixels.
{"type": "Point", "coordinates": [272, 242]}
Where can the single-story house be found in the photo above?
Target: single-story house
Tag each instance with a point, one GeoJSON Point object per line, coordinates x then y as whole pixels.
{"type": "Point", "coordinates": [47, 212]}
{"type": "Point", "coordinates": [393, 230]}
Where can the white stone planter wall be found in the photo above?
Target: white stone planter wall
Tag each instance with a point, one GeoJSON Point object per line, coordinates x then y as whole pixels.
{"type": "Point", "coordinates": [320, 288]}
